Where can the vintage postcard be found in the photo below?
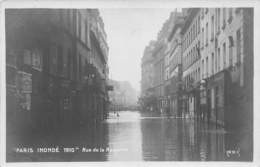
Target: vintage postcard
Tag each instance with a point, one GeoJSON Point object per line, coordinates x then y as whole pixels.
{"type": "Point", "coordinates": [84, 82]}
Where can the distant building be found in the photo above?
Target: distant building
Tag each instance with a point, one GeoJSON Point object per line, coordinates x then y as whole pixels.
{"type": "Point", "coordinates": [174, 57]}
{"type": "Point", "coordinates": [123, 96]}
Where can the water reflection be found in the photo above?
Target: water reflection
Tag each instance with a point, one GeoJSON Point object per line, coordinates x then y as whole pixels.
{"type": "Point", "coordinates": [143, 137]}
{"type": "Point", "coordinates": [163, 139]}
{"type": "Point", "coordinates": [125, 137]}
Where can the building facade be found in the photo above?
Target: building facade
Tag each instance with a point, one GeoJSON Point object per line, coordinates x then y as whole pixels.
{"type": "Point", "coordinates": [191, 42]}
{"type": "Point", "coordinates": [173, 66]}
{"type": "Point", "coordinates": [147, 99]}
{"type": "Point", "coordinates": [205, 60]}
{"type": "Point", "coordinates": [52, 69]}
{"type": "Point", "coordinates": [223, 60]}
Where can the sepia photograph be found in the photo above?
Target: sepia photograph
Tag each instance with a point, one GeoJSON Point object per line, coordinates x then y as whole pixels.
{"type": "Point", "coordinates": [129, 84]}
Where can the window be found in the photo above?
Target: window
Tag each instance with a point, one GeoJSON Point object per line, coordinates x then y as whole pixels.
{"type": "Point", "coordinates": [191, 32]}
{"type": "Point", "coordinates": [212, 28]}
{"type": "Point", "coordinates": [86, 33]}
{"type": "Point", "coordinates": [212, 63]}
{"type": "Point", "coordinates": [224, 18]}
{"type": "Point", "coordinates": [195, 30]}
{"type": "Point", "coordinates": [199, 73]}
{"type": "Point", "coordinates": [230, 15]}
{"type": "Point", "coordinates": [189, 37]}
{"type": "Point", "coordinates": [224, 55]}
{"type": "Point", "coordinates": [207, 65]}
{"type": "Point", "coordinates": [218, 61]}
{"type": "Point", "coordinates": [216, 96]}
{"type": "Point", "coordinates": [202, 13]}
{"type": "Point", "coordinates": [238, 45]}
{"type": "Point", "coordinates": [218, 19]}
{"type": "Point", "coordinates": [79, 25]}
{"type": "Point", "coordinates": [207, 29]}
{"type": "Point", "coordinates": [192, 55]}
{"type": "Point", "coordinates": [202, 38]}
{"type": "Point", "coordinates": [206, 10]}
{"type": "Point", "coordinates": [198, 25]}
{"type": "Point", "coordinates": [231, 44]}
{"type": "Point", "coordinates": [186, 42]}
{"type": "Point", "coordinates": [202, 70]}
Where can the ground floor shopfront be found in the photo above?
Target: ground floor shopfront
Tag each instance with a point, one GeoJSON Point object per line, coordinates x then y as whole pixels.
{"type": "Point", "coordinates": [40, 102]}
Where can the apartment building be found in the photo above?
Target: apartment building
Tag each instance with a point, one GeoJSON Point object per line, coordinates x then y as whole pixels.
{"type": "Point", "coordinates": [191, 42]}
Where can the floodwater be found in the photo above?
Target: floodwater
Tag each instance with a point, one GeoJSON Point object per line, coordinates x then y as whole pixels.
{"type": "Point", "coordinates": [135, 136]}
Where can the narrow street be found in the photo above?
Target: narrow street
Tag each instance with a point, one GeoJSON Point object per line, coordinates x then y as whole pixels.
{"type": "Point", "coordinates": [94, 84]}
{"type": "Point", "coordinates": [135, 136]}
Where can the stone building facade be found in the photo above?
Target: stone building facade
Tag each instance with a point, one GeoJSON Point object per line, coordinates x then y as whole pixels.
{"type": "Point", "coordinates": [215, 70]}
{"type": "Point", "coordinates": [52, 69]}
{"type": "Point", "coordinates": [191, 42]}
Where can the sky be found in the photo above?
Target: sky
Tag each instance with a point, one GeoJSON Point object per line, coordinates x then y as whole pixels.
{"type": "Point", "coordinates": [129, 31]}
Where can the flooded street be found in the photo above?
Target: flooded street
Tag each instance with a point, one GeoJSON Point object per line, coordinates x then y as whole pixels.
{"type": "Point", "coordinates": [157, 138]}
{"type": "Point", "coordinates": [135, 136]}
